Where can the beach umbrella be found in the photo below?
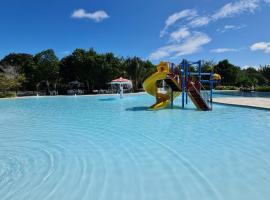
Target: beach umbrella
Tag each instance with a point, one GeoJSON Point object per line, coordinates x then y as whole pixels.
{"type": "Point", "coordinates": [121, 81]}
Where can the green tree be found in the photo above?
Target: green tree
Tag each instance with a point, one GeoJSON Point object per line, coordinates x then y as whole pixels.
{"type": "Point", "coordinates": [265, 71]}
{"type": "Point", "coordinates": [138, 70]}
{"type": "Point", "coordinates": [208, 66]}
{"type": "Point", "coordinates": [25, 64]}
{"type": "Point", "coordinates": [91, 68]}
{"type": "Point", "coordinates": [109, 68]}
{"type": "Point", "coordinates": [10, 78]}
{"type": "Point", "coordinates": [68, 71]}
{"type": "Point", "coordinates": [228, 72]}
{"type": "Point", "coordinates": [46, 68]}
{"type": "Point", "coordinates": [251, 77]}
{"type": "Point", "coordinates": [82, 64]}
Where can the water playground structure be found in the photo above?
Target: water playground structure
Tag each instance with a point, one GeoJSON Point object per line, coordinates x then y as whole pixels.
{"type": "Point", "coordinates": [181, 80]}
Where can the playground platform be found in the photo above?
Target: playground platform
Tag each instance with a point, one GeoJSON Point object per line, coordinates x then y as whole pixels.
{"type": "Point", "coordinates": [252, 102]}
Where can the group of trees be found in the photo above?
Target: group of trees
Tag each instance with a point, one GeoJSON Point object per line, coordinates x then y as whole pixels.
{"type": "Point", "coordinates": [87, 66]}
{"type": "Point", "coordinates": [235, 76]}
{"type": "Point", "coordinates": [28, 72]}
{"type": "Point", "coordinates": [10, 79]}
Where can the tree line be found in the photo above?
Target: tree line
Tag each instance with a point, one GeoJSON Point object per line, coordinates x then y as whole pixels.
{"type": "Point", "coordinates": [86, 66]}
{"type": "Point", "coordinates": [26, 72]}
{"type": "Point", "coordinates": [233, 75]}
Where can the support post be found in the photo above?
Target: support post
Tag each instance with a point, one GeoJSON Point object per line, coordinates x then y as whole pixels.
{"type": "Point", "coordinates": [171, 99]}
{"type": "Point", "coordinates": [187, 69]}
{"type": "Point", "coordinates": [200, 73]}
{"type": "Point", "coordinates": [211, 90]}
{"type": "Point", "coordinates": [186, 97]}
{"type": "Point", "coordinates": [183, 66]}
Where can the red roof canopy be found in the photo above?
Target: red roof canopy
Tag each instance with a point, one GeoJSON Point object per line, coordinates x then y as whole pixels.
{"type": "Point", "coordinates": [121, 80]}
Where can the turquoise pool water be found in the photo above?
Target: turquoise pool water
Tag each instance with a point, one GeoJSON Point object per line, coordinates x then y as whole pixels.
{"type": "Point", "coordinates": [218, 93]}
{"type": "Point", "coordinates": [106, 148]}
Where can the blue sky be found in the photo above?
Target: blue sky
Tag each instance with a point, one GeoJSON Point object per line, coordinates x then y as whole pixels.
{"type": "Point", "coordinates": [154, 29]}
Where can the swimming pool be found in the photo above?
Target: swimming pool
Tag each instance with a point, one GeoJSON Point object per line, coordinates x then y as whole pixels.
{"type": "Point", "coordinates": [103, 147]}
{"type": "Point", "coordinates": [221, 93]}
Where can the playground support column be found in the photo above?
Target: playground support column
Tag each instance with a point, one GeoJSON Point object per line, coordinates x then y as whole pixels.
{"type": "Point", "coordinates": [187, 69]}
{"type": "Point", "coordinates": [171, 99]}
{"type": "Point", "coordinates": [200, 72]}
{"type": "Point", "coordinates": [183, 66]}
{"type": "Point", "coordinates": [211, 90]}
{"type": "Point", "coordinates": [186, 97]}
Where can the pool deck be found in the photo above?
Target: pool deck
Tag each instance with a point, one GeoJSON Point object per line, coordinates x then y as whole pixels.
{"type": "Point", "coordinates": [253, 102]}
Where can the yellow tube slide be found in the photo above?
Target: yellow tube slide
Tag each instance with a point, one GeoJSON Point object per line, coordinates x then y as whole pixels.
{"type": "Point", "coordinates": [149, 85]}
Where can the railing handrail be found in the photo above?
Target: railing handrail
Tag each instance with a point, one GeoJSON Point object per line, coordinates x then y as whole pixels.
{"type": "Point", "coordinates": [205, 95]}
{"type": "Point", "coordinates": [208, 96]}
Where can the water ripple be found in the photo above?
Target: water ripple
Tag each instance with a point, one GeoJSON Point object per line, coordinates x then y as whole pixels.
{"type": "Point", "coordinates": [87, 148]}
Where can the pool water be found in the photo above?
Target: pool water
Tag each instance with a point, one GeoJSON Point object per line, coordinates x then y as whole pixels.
{"type": "Point", "coordinates": [223, 94]}
{"type": "Point", "coordinates": [106, 148]}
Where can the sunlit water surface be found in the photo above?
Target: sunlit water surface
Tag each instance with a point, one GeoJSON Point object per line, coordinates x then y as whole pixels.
{"type": "Point", "coordinates": [106, 148]}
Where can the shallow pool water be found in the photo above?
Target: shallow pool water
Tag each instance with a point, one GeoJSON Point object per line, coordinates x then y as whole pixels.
{"type": "Point", "coordinates": [106, 148]}
{"type": "Point", "coordinates": [223, 94]}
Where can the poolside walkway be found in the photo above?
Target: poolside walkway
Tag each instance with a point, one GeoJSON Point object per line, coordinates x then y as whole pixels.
{"type": "Point", "coordinates": [253, 102]}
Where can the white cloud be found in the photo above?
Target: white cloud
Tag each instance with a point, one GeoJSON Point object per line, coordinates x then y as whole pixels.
{"type": "Point", "coordinates": [97, 16]}
{"type": "Point", "coordinates": [238, 7]}
{"type": "Point", "coordinates": [193, 20]}
{"type": "Point", "coordinates": [226, 27]}
{"type": "Point", "coordinates": [190, 45]}
{"type": "Point", "coordinates": [180, 34]}
{"type": "Point", "coordinates": [200, 21]}
{"type": "Point", "coordinates": [223, 50]}
{"type": "Point", "coordinates": [159, 54]}
{"type": "Point", "coordinates": [188, 14]}
{"type": "Point", "coordinates": [267, 1]}
{"type": "Point", "coordinates": [229, 10]}
{"type": "Point", "coordinates": [231, 27]}
{"type": "Point", "coordinates": [261, 46]}
{"type": "Point", "coordinates": [185, 40]}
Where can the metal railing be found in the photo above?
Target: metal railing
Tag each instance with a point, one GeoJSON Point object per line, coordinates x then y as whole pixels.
{"type": "Point", "coordinates": [205, 94]}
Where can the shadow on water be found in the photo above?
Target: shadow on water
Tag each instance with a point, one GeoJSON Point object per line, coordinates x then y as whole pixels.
{"type": "Point", "coordinates": [144, 108]}
{"type": "Point", "coordinates": [140, 108]}
{"type": "Point", "coordinates": [108, 99]}
{"type": "Point", "coordinates": [179, 108]}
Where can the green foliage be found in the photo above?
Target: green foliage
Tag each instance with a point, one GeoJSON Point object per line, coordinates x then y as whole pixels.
{"type": "Point", "coordinates": [8, 95]}
{"type": "Point", "coordinates": [46, 66]}
{"type": "Point", "coordinates": [95, 70]}
{"type": "Point", "coordinates": [220, 87]}
{"type": "Point", "coordinates": [138, 71]}
{"type": "Point", "coordinates": [5, 84]}
{"type": "Point", "coordinates": [251, 77]}
{"type": "Point", "coordinates": [208, 66]}
{"type": "Point", "coordinates": [25, 64]}
{"type": "Point", "coordinates": [262, 89]}
{"type": "Point", "coordinates": [228, 72]}
{"type": "Point", "coordinates": [10, 79]}
{"type": "Point", "coordinates": [265, 71]}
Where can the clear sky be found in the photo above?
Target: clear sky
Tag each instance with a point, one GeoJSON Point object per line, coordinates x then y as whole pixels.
{"type": "Point", "coordinates": [167, 30]}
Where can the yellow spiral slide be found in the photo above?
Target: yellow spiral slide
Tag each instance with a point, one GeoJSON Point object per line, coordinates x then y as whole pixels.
{"type": "Point", "coordinates": [150, 86]}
